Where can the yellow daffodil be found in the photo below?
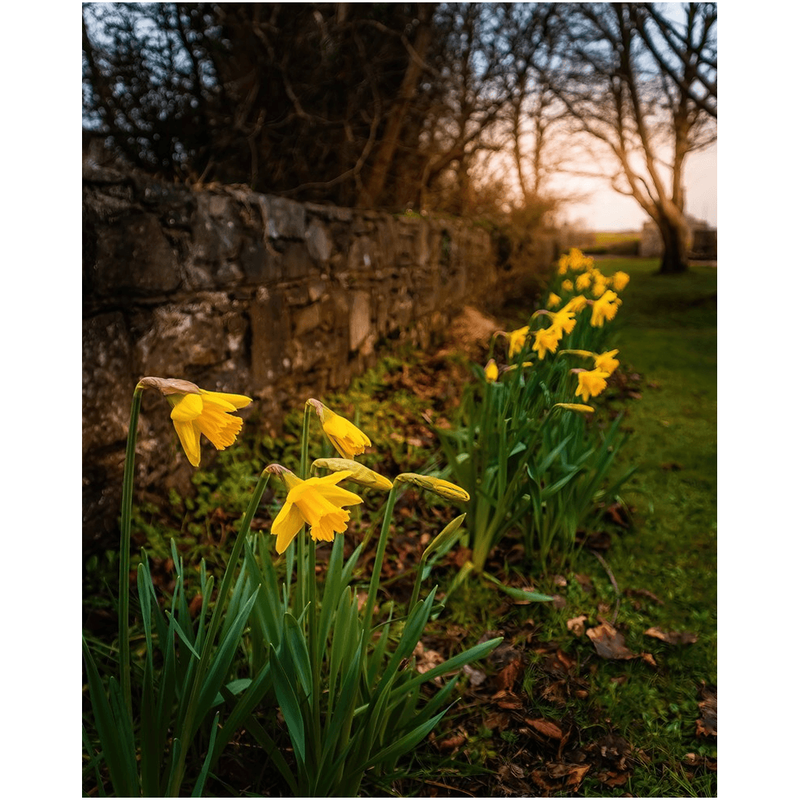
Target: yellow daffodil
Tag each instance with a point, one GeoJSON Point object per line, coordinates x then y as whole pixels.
{"type": "Point", "coordinates": [553, 301]}
{"type": "Point", "coordinates": [358, 473]}
{"type": "Point", "coordinates": [576, 304]}
{"type": "Point", "coordinates": [317, 502]}
{"type": "Point", "coordinates": [566, 285]}
{"type": "Point", "coordinates": [348, 440]}
{"type": "Point", "coordinates": [606, 362]}
{"type": "Point", "coordinates": [196, 411]}
{"type": "Point", "coordinates": [436, 485]}
{"type": "Point", "coordinates": [490, 371]}
{"type": "Point", "coordinates": [575, 407]}
{"type": "Point", "coordinates": [619, 281]}
{"type": "Point", "coordinates": [583, 281]}
{"type": "Point", "coordinates": [598, 287]}
{"type": "Point", "coordinates": [563, 321]}
{"type": "Point", "coordinates": [605, 309]}
{"type": "Point", "coordinates": [516, 340]}
{"type": "Point", "coordinates": [590, 383]}
{"type": "Point", "coordinates": [546, 341]}
{"type": "Point", "coordinates": [563, 265]}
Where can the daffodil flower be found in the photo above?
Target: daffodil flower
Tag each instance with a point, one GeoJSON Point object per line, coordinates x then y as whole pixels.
{"type": "Point", "coordinates": [546, 341]}
{"type": "Point", "coordinates": [590, 383]}
{"type": "Point", "coordinates": [619, 281]}
{"type": "Point", "coordinates": [516, 339]}
{"type": "Point", "coordinates": [553, 301]}
{"type": "Point", "coordinates": [583, 281]}
{"type": "Point", "coordinates": [605, 309]}
{"type": "Point", "coordinates": [317, 502]}
{"type": "Point", "coordinates": [563, 321]}
{"type": "Point", "coordinates": [491, 371]}
{"type": "Point", "coordinates": [566, 285]}
{"type": "Point", "coordinates": [196, 411]}
{"type": "Point", "coordinates": [348, 440]}
{"type": "Point", "coordinates": [576, 304]}
{"type": "Point", "coordinates": [606, 362]}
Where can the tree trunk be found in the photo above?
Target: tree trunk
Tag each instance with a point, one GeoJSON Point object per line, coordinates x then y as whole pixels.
{"type": "Point", "coordinates": [370, 193]}
{"type": "Point", "coordinates": [674, 260]}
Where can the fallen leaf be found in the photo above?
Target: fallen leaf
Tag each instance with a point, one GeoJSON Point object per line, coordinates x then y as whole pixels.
{"type": "Point", "coordinates": [507, 676]}
{"type": "Point", "coordinates": [575, 625]}
{"type": "Point", "coordinates": [497, 719]}
{"type": "Point", "coordinates": [546, 728]}
{"type": "Point", "coordinates": [450, 743]}
{"type": "Point", "coordinates": [671, 637]}
{"type": "Point", "coordinates": [476, 676]}
{"type": "Point", "coordinates": [427, 659]}
{"type": "Point", "coordinates": [707, 724]}
{"type": "Point", "coordinates": [609, 642]}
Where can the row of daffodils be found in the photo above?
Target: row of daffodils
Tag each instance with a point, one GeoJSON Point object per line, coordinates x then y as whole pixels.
{"type": "Point", "coordinates": [323, 679]}
{"type": "Point", "coordinates": [524, 447]}
{"type": "Point", "coordinates": [330, 688]}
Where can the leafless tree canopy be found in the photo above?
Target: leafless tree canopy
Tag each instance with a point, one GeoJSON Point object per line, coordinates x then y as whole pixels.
{"type": "Point", "coordinates": [397, 105]}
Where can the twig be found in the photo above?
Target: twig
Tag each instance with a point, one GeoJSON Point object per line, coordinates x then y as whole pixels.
{"type": "Point", "coordinates": [452, 788]}
{"type": "Point", "coordinates": [613, 582]}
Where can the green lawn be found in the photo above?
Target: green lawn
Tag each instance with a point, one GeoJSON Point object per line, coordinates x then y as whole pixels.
{"type": "Point", "coordinates": [667, 334]}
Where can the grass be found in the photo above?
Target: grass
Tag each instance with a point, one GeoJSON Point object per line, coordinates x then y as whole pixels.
{"type": "Point", "coordinates": [666, 334]}
{"type": "Point", "coordinates": [632, 722]}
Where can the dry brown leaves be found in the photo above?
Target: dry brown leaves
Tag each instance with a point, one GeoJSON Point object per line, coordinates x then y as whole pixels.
{"type": "Point", "coordinates": [707, 724]}
{"type": "Point", "coordinates": [671, 637]}
{"type": "Point", "coordinates": [610, 644]}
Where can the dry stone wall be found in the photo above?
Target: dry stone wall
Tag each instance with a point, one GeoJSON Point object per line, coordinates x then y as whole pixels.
{"type": "Point", "coordinates": [247, 293]}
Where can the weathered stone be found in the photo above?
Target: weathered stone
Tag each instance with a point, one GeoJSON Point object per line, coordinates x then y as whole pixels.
{"type": "Point", "coordinates": [360, 318]}
{"type": "Point", "coordinates": [319, 241]}
{"type": "Point", "coordinates": [306, 319]}
{"type": "Point", "coordinates": [298, 263]}
{"type": "Point", "coordinates": [133, 256]}
{"type": "Point", "coordinates": [287, 219]}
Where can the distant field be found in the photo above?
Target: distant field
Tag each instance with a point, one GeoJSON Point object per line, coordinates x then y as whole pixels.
{"type": "Point", "coordinates": [621, 243]}
{"type": "Point", "coordinates": [616, 237]}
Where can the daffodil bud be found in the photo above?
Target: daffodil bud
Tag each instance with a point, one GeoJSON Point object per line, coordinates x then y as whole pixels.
{"type": "Point", "coordinates": [359, 474]}
{"type": "Point", "coordinates": [436, 485]}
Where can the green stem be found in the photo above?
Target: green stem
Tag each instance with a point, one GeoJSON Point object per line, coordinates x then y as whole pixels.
{"type": "Point", "coordinates": [125, 552]}
{"type": "Point", "coordinates": [309, 576]}
{"type": "Point", "coordinates": [186, 733]}
{"type": "Point", "coordinates": [376, 567]}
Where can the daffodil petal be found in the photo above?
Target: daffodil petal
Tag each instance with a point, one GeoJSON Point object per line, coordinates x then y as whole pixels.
{"type": "Point", "coordinates": [189, 436]}
{"type": "Point", "coordinates": [286, 525]}
{"type": "Point", "coordinates": [189, 407]}
{"type": "Point", "coordinates": [230, 402]}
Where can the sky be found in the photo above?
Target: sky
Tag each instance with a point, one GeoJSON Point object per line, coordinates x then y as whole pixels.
{"type": "Point", "coordinates": [608, 210]}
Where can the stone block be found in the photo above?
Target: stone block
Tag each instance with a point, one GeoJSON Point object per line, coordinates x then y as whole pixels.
{"type": "Point", "coordinates": [360, 318]}
{"type": "Point", "coordinates": [287, 219]}
{"type": "Point", "coordinates": [306, 319]}
{"type": "Point", "coordinates": [297, 262]}
{"type": "Point", "coordinates": [319, 241]}
{"type": "Point", "coordinates": [134, 257]}
{"type": "Point", "coordinates": [108, 380]}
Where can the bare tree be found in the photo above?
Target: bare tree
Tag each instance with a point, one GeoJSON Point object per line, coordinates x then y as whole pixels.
{"type": "Point", "coordinates": [642, 85]}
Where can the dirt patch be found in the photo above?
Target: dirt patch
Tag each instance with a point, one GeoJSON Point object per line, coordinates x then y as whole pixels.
{"type": "Point", "coordinates": [470, 333]}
